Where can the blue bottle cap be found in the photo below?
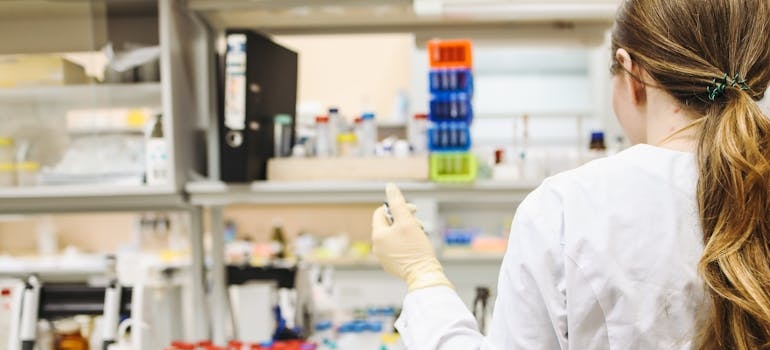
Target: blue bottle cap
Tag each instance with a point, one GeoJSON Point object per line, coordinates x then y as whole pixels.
{"type": "Point", "coordinates": [323, 325]}
{"type": "Point", "coordinates": [374, 327]}
{"type": "Point", "coordinates": [597, 135]}
{"type": "Point", "coordinates": [367, 116]}
{"type": "Point", "coordinates": [334, 110]}
{"type": "Point", "coordinates": [360, 327]}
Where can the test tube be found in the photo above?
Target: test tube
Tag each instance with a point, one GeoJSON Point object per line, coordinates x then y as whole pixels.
{"type": "Point", "coordinates": [452, 79]}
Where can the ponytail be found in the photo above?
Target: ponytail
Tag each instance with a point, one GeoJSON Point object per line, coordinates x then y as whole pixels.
{"type": "Point", "coordinates": [734, 206]}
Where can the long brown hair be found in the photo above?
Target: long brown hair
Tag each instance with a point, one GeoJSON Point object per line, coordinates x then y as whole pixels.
{"type": "Point", "coordinates": [685, 45]}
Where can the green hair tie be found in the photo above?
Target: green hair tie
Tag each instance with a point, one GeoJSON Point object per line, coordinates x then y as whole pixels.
{"type": "Point", "coordinates": [719, 86]}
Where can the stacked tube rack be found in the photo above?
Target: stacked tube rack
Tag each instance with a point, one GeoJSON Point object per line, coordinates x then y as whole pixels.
{"type": "Point", "coordinates": [451, 111]}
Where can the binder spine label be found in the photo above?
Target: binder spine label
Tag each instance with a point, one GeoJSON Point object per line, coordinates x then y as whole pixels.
{"type": "Point", "coordinates": [235, 82]}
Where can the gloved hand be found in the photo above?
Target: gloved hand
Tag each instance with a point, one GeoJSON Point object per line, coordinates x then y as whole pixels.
{"type": "Point", "coordinates": [403, 248]}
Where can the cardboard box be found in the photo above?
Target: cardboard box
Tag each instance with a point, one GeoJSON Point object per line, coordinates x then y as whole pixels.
{"type": "Point", "coordinates": [39, 70]}
{"type": "Point", "coordinates": [349, 169]}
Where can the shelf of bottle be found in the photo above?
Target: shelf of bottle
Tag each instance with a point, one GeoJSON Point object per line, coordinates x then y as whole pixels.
{"type": "Point", "coordinates": [77, 198]}
{"type": "Point", "coordinates": [212, 193]}
{"type": "Point", "coordinates": [85, 96]}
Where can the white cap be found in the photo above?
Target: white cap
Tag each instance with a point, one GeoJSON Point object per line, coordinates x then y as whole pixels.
{"type": "Point", "coordinates": [67, 326]}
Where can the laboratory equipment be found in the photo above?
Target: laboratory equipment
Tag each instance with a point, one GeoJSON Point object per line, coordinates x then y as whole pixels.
{"type": "Point", "coordinates": [451, 111]}
{"type": "Point", "coordinates": [337, 125]}
{"type": "Point", "coordinates": [418, 134]}
{"type": "Point", "coordinates": [347, 144]}
{"type": "Point", "coordinates": [278, 240]}
{"type": "Point", "coordinates": [323, 137]}
{"type": "Point", "coordinates": [157, 154]}
{"type": "Point", "coordinates": [368, 140]}
{"type": "Point", "coordinates": [252, 307]}
{"type": "Point", "coordinates": [597, 141]}
{"type": "Point", "coordinates": [283, 135]}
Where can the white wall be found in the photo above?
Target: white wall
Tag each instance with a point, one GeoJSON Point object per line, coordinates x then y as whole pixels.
{"type": "Point", "coordinates": [351, 71]}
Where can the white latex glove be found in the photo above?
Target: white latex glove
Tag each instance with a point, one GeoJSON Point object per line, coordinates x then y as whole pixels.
{"type": "Point", "coordinates": [403, 248]}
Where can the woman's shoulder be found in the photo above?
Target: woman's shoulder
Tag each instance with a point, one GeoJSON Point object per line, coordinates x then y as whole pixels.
{"type": "Point", "coordinates": [634, 171]}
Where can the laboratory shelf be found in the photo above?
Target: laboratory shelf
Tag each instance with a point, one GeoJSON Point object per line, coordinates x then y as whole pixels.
{"type": "Point", "coordinates": [79, 198]}
{"type": "Point", "coordinates": [85, 96]}
{"type": "Point", "coordinates": [395, 16]}
{"type": "Point", "coordinates": [220, 194]}
{"type": "Point", "coordinates": [54, 269]}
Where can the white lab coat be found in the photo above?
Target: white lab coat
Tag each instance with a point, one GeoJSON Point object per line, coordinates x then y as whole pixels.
{"type": "Point", "coordinates": [601, 257]}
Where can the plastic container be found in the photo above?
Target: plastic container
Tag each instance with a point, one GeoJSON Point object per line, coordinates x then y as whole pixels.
{"type": "Point", "coordinates": [597, 148]}
{"type": "Point", "coordinates": [451, 106]}
{"type": "Point", "coordinates": [418, 134]}
{"type": "Point", "coordinates": [337, 125]}
{"type": "Point", "coordinates": [347, 144]}
{"type": "Point", "coordinates": [448, 136]}
{"type": "Point", "coordinates": [7, 175]}
{"type": "Point", "coordinates": [451, 80]}
{"type": "Point", "coordinates": [450, 53]}
{"type": "Point", "coordinates": [453, 167]}
{"type": "Point", "coordinates": [323, 137]}
{"type": "Point", "coordinates": [7, 150]}
{"type": "Point", "coordinates": [27, 173]}
{"type": "Point", "coordinates": [368, 141]}
{"type": "Point", "coordinates": [282, 135]}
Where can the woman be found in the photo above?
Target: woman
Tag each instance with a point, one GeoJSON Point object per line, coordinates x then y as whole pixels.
{"type": "Point", "coordinates": [663, 246]}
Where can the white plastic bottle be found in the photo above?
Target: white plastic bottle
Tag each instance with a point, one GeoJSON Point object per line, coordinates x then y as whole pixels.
{"type": "Point", "coordinates": [323, 140]}
{"type": "Point", "coordinates": [368, 140]}
{"type": "Point", "coordinates": [337, 125]}
{"type": "Point", "coordinates": [418, 134]}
